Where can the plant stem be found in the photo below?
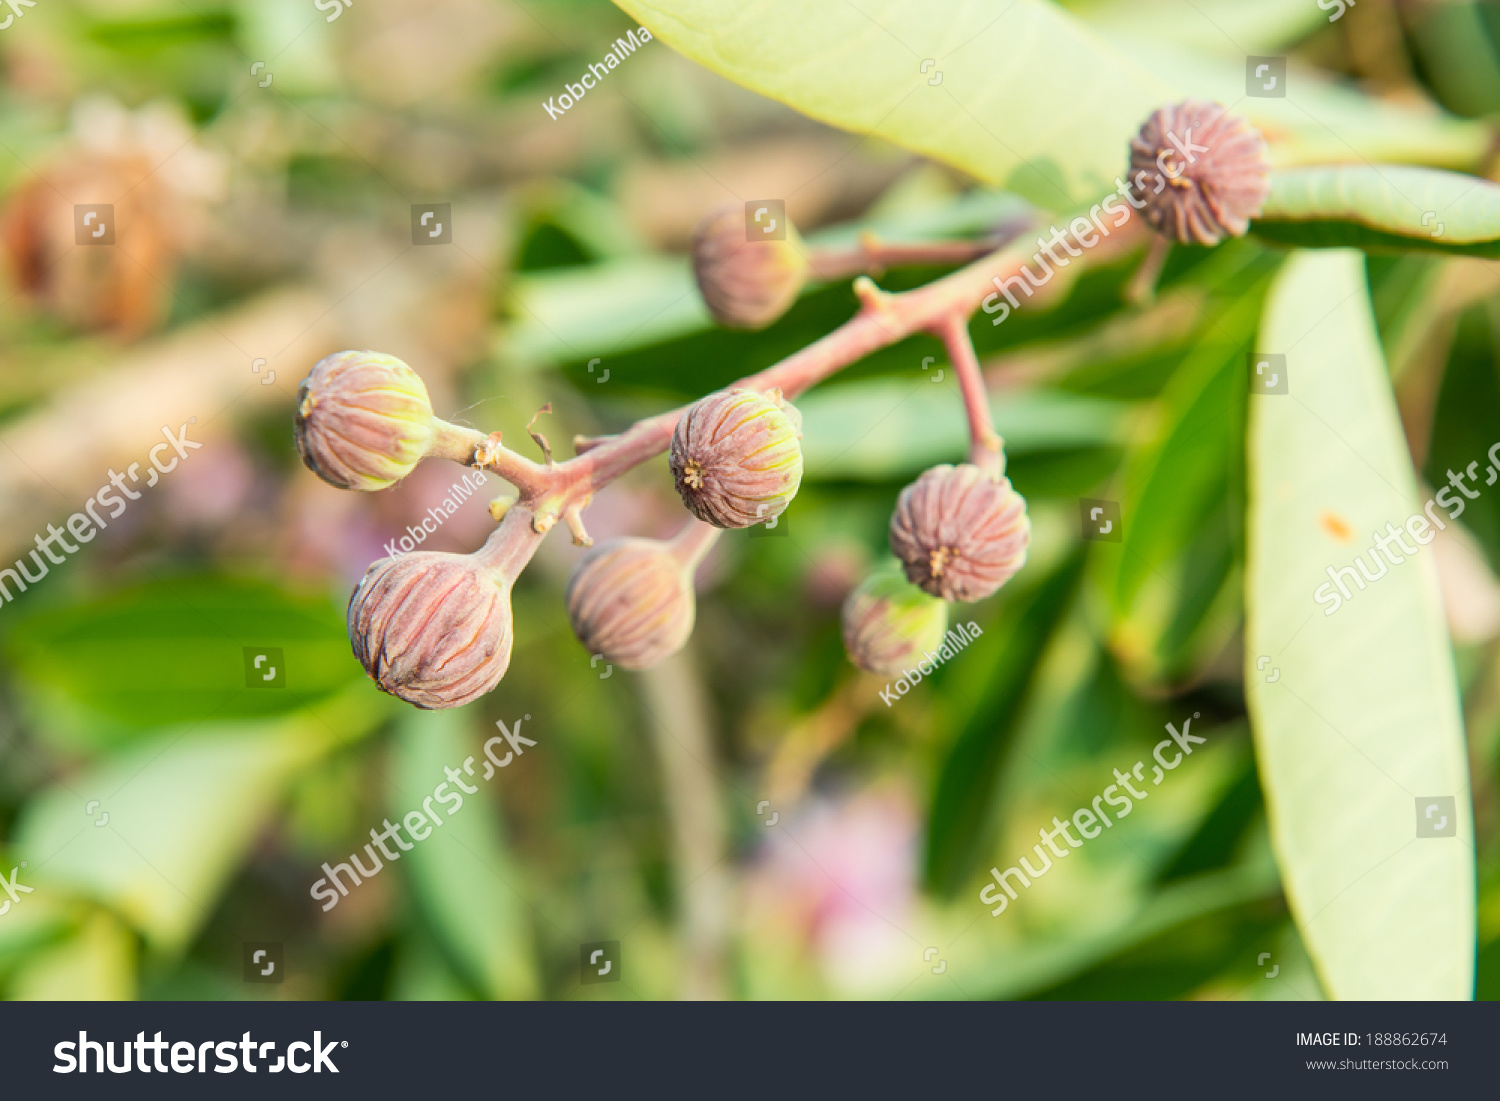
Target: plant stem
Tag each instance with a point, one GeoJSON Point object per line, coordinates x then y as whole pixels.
{"type": "Point", "coordinates": [985, 443]}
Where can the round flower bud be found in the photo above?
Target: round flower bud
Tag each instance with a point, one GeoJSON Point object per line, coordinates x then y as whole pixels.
{"type": "Point", "coordinates": [363, 420]}
{"type": "Point", "coordinates": [631, 600]}
{"type": "Point", "coordinates": [959, 532]}
{"type": "Point", "coordinates": [432, 628]}
{"type": "Point", "coordinates": [1203, 172]}
{"type": "Point", "coordinates": [736, 458]}
{"type": "Point", "coordinates": [890, 624]}
{"type": "Point", "coordinates": [746, 282]}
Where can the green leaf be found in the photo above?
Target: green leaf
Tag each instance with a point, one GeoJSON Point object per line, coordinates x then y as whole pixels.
{"type": "Point", "coordinates": [886, 428]}
{"type": "Point", "coordinates": [1264, 27]}
{"type": "Point", "coordinates": [1362, 723]}
{"type": "Point", "coordinates": [1028, 97]}
{"type": "Point", "coordinates": [98, 963]}
{"type": "Point", "coordinates": [964, 821]}
{"type": "Point", "coordinates": [1383, 207]}
{"type": "Point", "coordinates": [467, 887]}
{"type": "Point", "coordinates": [181, 813]}
{"type": "Point", "coordinates": [174, 651]}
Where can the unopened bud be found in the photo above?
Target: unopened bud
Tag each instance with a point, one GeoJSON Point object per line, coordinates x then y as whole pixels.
{"type": "Point", "coordinates": [363, 420]}
{"type": "Point", "coordinates": [432, 628]}
{"type": "Point", "coordinates": [1203, 172]}
{"type": "Point", "coordinates": [959, 532]}
{"type": "Point", "coordinates": [631, 600]}
{"type": "Point", "coordinates": [746, 284]}
{"type": "Point", "coordinates": [890, 624]}
{"type": "Point", "coordinates": [736, 458]}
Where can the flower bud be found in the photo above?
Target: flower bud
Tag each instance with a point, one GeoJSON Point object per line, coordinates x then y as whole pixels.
{"type": "Point", "coordinates": [960, 533]}
{"type": "Point", "coordinates": [631, 600]}
{"type": "Point", "coordinates": [890, 624]}
{"type": "Point", "coordinates": [363, 420]}
{"type": "Point", "coordinates": [746, 283]}
{"type": "Point", "coordinates": [1203, 172]}
{"type": "Point", "coordinates": [432, 628]}
{"type": "Point", "coordinates": [736, 458]}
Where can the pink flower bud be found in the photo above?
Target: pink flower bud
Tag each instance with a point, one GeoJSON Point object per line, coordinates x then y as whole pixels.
{"type": "Point", "coordinates": [432, 628]}
{"type": "Point", "coordinates": [363, 420]}
{"type": "Point", "coordinates": [435, 629]}
{"type": "Point", "coordinates": [1203, 172]}
{"type": "Point", "coordinates": [632, 601]}
{"type": "Point", "coordinates": [960, 532]}
{"type": "Point", "coordinates": [746, 284]}
{"type": "Point", "coordinates": [736, 458]}
{"type": "Point", "coordinates": [890, 624]}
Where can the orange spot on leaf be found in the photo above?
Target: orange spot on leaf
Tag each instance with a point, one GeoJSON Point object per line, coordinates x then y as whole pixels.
{"type": "Point", "coordinates": [1336, 526]}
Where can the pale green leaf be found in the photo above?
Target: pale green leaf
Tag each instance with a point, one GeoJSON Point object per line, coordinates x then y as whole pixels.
{"type": "Point", "coordinates": [183, 808]}
{"type": "Point", "coordinates": [468, 888]}
{"type": "Point", "coordinates": [1384, 206]}
{"type": "Point", "coordinates": [1355, 714]}
{"type": "Point", "coordinates": [96, 964]}
{"type": "Point", "coordinates": [1028, 97]}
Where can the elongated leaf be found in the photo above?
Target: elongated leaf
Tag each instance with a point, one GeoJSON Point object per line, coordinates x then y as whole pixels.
{"type": "Point", "coordinates": [1384, 207]}
{"type": "Point", "coordinates": [174, 816]}
{"type": "Point", "coordinates": [1028, 97]}
{"type": "Point", "coordinates": [467, 887]}
{"type": "Point", "coordinates": [1358, 729]}
{"type": "Point", "coordinates": [963, 820]}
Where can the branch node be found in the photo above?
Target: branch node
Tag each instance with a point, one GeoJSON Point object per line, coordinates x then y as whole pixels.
{"type": "Point", "coordinates": [499, 507]}
{"type": "Point", "coordinates": [573, 517]}
{"type": "Point", "coordinates": [871, 298]}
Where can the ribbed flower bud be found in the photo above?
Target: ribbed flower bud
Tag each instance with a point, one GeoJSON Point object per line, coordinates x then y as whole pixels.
{"type": "Point", "coordinates": [432, 628]}
{"type": "Point", "coordinates": [632, 601]}
{"type": "Point", "coordinates": [363, 420]}
{"type": "Point", "coordinates": [960, 533]}
{"type": "Point", "coordinates": [890, 624]}
{"type": "Point", "coordinates": [746, 283]}
{"type": "Point", "coordinates": [1203, 172]}
{"type": "Point", "coordinates": [736, 458]}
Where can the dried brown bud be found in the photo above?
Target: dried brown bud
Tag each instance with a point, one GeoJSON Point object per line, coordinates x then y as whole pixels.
{"type": "Point", "coordinates": [631, 600]}
{"type": "Point", "coordinates": [432, 628]}
{"type": "Point", "coordinates": [363, 420]}
{"type": "Point", "coordinates": [890, 624]}
{"type": "Point", "coordinates": [746, 283]}
{"type": "Point", "coordinates": [961, 533]}
{"type": "Point", "coordinates": [736, 458]}
{"type": "Point", "coordinates": [1203, 172]}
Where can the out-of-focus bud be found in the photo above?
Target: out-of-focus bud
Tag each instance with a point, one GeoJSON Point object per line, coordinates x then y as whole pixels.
{"type": "Point", "coordinates": [959, 532]}
{"type": "Point", "coordinates": [1203, 172]}
{"type": "Point", "coordinates": [432, 628]}
{"type": "Point", "coordinates": [363, 420]}
{"type": "Point", "coordinates": [631, 600]}
{"type": "Point", "coordinates": [746, 283]}
{"type": "Point", "coordinates": [736, 457]}
{"type": "Point", "coordinates": [890, 624]}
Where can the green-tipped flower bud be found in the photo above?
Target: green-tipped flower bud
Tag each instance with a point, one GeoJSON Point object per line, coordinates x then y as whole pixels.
{"type": "Point", "coordinates": [736, 458]}
{"type": "Point", "coordinates": [890, 625]}
{"type": "Point", "coordinates": [432, 628]}
{"type": "Point", "coordinates": [746, 283]}
{"type": "Point", "coordinates": [363, 420]}
{"type": "Point", "coordinates": [959, 532]}
{"type": "Point", "coordinates": [1203, 172]}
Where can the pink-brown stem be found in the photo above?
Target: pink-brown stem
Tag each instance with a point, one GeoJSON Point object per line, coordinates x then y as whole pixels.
{"type": "Point", "coordinates": [984, 442]}
{"type": "Point", "coordinates": [883, 320]}
{"type": "Point", "coordinates": [690, 544]}
{"type": "Point", "coordinates": [511, 545]}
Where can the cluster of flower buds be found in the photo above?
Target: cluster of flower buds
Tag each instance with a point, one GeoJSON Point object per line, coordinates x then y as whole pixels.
{"type": "Point", "coordinates": [746, 283]}
{"type": "Point", "coordinates": [1211, 170]}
